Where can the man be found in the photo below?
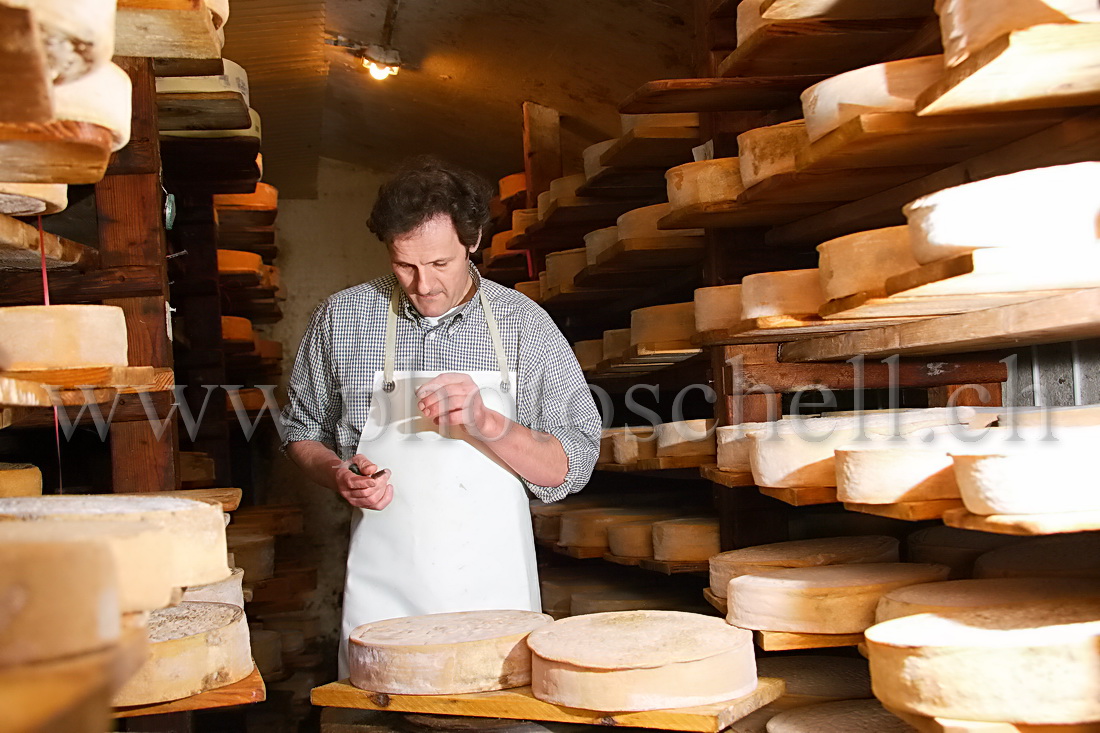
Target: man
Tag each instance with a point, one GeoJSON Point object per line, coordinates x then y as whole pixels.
{"type": "Point", "coordinates": [449, 394]}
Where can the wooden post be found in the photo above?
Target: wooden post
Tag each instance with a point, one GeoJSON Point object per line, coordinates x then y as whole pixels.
{"type": "Point", "coordinates": [541, 149]}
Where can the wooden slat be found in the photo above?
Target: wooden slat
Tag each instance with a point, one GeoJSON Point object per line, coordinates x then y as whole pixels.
{"type": "Point", "coordinates": [909, 511]}
{"type": "Point", "coordinates": [729, 479]}
{"type": "Point", "coordinates": [851, 10]}
{"type": "Point", "coordinates": [826, 185]}
{"type": "Point", "coordinates": [989, 271]}
{"type": "Point", "coordinates": [735, 214]}
{"type": "Point", "coordinates": [166, 29]}
{"type": "Point", "coordinates": [779, 641]}
{"type": "Point", "coordinates": [674, 568]}
{"type": "Point", "coordinates": [20, 248]}
{"type": "Point", "coordinates": [804, 496]}
{"type": "Point", "coordinates": [54, 152]}
{"type": "Point", "coordinates": [625, 183]}
{"type": "Point", "coordinates": [248, 691]}
{"type": "Point", "coordinates": [652, 253]}
{"type": "Point", "coordinates": [1024, 525]}
{"type": "Point", "coordinates": [652, 147]}
{"type": "Point", "coordinates": [777, 329]}
{"type": "Point", "coordinates": [24, 75]}
{"type": "Point", "coordinates": [720, 604]}
{"type": "Point", "coordinates": [229, 499]}
{"type": "Point", "coordinates": [717, 95]}
{"type": "Point", "coordinates": [226, 110]}
{"type": "Point", "coordinates": [88, 376]}
{"type": "Point", "coordinates": [71, 286]}
{"type": "Point", "coordinates": [668, 463]}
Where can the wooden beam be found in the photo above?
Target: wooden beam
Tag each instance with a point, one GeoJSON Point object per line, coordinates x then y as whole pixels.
{"type": "Point", "coordinates": [541, 149]}
{"type": "Point", "coordinates": [739, 94]}
{"type": "Point", "coordinates": [71, 286]}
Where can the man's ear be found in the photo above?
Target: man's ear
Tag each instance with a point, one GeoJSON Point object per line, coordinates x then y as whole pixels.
{"type": "Point", "coordinates": [480, 236]}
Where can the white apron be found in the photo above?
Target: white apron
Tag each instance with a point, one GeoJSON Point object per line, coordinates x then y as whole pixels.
{"type": "Point", "coordinates": [457, 535]}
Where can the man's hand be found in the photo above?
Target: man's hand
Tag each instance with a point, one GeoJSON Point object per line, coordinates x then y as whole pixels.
{"type": "Point", "coordinates": [454, 400]}
{"type": "Point", "coordinates": [363, 491]}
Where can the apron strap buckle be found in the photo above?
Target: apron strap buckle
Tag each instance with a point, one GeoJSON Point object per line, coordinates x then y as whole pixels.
{"type": "Point", "coordinates": [388, 386]}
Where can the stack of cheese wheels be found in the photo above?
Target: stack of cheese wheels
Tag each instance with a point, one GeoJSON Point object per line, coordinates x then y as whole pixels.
{"type": "Point", "coordinates": [812, 680]}
{"type": "Point", "coordinates": [558, 586]}
{"type": "Point", "coordinates": [705, 182]}
{"type": "Point", "coordinates": [235, 328]}
{"type": "Point", "coordinates": [254, 132]}
{"type": "Point", "coordinates": [616, 342]}
{"type": "Point", "coordinates": [631, 539]}
{"type": "Point", "coordinates": [626, 599]}
{"type": "Point", "coordinates": [102, 97]}
{"type": "Point", "coordinates": [783, 293]}
{"type": "Point", "coordinates": [562, 267]}
{"type": "Point", "coordinates": [20, 479]}
{"type": "Point", "coordinates": [512, 185]}
{"type": "Point", "coordinates": [955, 548]}
{"type": "Point", "coordinates": [193, 647]}
{"type": "Point", "coordinates": [1004, 212]}
{"type": "Point", "coordinates": [62, 336]}
{"type": "Point", "coordinates": [644, 223]}
{"type": "Point", "coordinates": [889, 87]}
{"type": "Point", "coordinates": [632, 444]}
{"type": "Point", "coordinates": [726, 566]}
{"type": "Point", "coordinates": [230, 590]}
{"type": "Point", "coordinates": [770, 151]}
{"type": "Point", "coordinates": [588, 527]}
{"type": "Point", "coordinates": [448, 653]}
{"type": "Point", "coordinates": [593, 158]}
{"type": "Point", "coordinates": [686, 438]}
{"type": "Point", "coordinates": [670, 325]}
{"type": "Point", "coordinates": [232, 83]}
{"type": "Point", "coordinates": [233, 262]}
{"type": "Point", "coordinates": [530, 288]}
{"type": "Point", "coordinates": [641, 660]}
{"type": "Point", "coordinates": [1062, 556]}
{"type": "Point", "coordinates": [522, 219]}
{"type": "Point", "coordinates": [967, 26]}
{"type": "Point", "coordinates": [546, 518]}
{"type": "Point", "coordinates": [254, 553]}
{"type": "Point", "coordinates": [1028, 663]}
{"type": "Point", "coordinates": [589, 353]}
{"type": "Point", "coordinates": [957, 595]}
{"type": "Point", "coordinates": [717, 308]}
{"type": "Point", "coordinates": [826, 599]}
{"type": "Point", "coordinates": [25, 199]}
{"type": "Point", "coordinates": [862, 262]}
{"type": "Point", "coordinates": [658, 119]}
{"type": "Point", "coordinates": [257, 208]}
{"type": "Point", "coordinates": [839, 717]}
{"type": "Point", "coordinates": [734, 446]}
{"type": "Point", "coordinates": [686, 539]}
{"type": "Point", "coordinates": [77, 37]}
{"type": "Point", "coordinates": [560, 188]}
{"type": "Point", "coordinates": [599, 241]}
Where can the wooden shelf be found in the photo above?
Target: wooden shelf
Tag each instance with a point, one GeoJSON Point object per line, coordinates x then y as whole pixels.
{"type": "Point", "coordinates": [739, 94]}
{"type": "Point", "coordinates": [1024, 525]}
{"type": "Point", "coordinates": [720, 604]}
{"type": "Point", "coordinates": [225, 110]}
{"type": "Point", "coordinates": [580, 553]}
{"type": "Point", "coordinates": [54, 152]}
{"type": "Point", "coordinates": [669, 463]}
{"type": "Point", "coordinates": [619, 560]}
{"type": "Point", "coordinates": [908, 511]}
{"type": "Point", "coordinates": [729, 479]}
{"type": "Point", "coordinates": [166, 29]}
{"type": "Point", "coordinates": [520, 704]}
{"type": "Point", "coordinates": [780, 329]}
{"type": "Point", "coordinates": [229, 499]}
{"type": "Point", "coordinates": [577, 297]}
{"type": "Point", "coordinates": [780, 641]}
{"type": "Point", "coordinates": [625, 183]}
{"type": "Point", "coordinates": [652, 147]}
{"type": "Point", "coordinates": [828, 187]}
{"type": "Point", "coordinates": [737, 214]}
{"type": "Point", "coordinates": [655, 253]}
{"type": "Point", "coordinates": [805, 496]}
{"type": "Point", "coordinates": [21, 247]}
{"type": "Point", "coordinates": [74, 378]}
{"type": "Point", "coordinates": [569, 219]}
{"type": "Point", "coordinates": [248, 691]}
{"type": "Point", "coordinates": [674, 568]}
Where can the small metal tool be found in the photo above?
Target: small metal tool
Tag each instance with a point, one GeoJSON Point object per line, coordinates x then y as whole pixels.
{"type": "Point", "coordinates": [355, 469]}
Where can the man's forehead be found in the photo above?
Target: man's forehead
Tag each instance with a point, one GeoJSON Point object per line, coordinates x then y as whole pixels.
{"type": "Point", "coordinates": [433, 240]}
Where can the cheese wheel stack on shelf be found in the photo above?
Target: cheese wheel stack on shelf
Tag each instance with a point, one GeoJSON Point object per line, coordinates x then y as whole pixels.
{"type": "Point", "coordinates": [956, 548]}
{"type": "Point", "coordinates": [598, 241]}
{"type": "Point", "coordinates": [686, 539]}
{"type": "Point", "coordinates": [669, 326]}
{"type": "Point", "coordinates": [20, 479]}
{"type": "Point", "coordinates": [704, 182]}
{"type": "Point", "coordinates": [967, 26]}
{"type": "Point", "coordinates": [546, 518]}
{"type": "Point", "coordinates": [717, 308]}
{"type": "Point", "coordinates": [62, 336]}
{"type": "Point", "coordinates": [589, 354]}
{"type": "Point", "coordinates": [25, 199]}
{"type": "Point", "coordinates": [588, 527]}
{"type": "Point", "coordinates": [960, 595]}
{"type": "Point", "coordinates": [643, 223]}
{"type": "Point", "coordinates": [783, 293]}
{"type": "Point", "coordinates": [862, 262]}
{"type": "Point", "coordinates": [770, 151]}
{"type": "Point", "coordinates": [686, 438]}
{"type": "Point", "coordinates": [213, 102]}
{"type": "Point", "coordinates": [631, 539]}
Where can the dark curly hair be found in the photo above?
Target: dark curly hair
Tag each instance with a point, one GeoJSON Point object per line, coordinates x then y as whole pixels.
{"type": "Point", "coordinates": [425, 187]}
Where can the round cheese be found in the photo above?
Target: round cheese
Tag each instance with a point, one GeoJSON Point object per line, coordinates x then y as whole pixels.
{"type": "Point", "coordinates": [783, 293]}
{"type": "Point", "coordinates": [194, 531]}
{"type": "Point", "coordinates": [659, 119]}
{"type": "Point", "coordinates": [630, 445]}
{"type": "Point", "coordinates": [62, 337]}
{"type": "Point", "coordinates": [663, 324]}
{"type": "Point", "coordinates": [193, 647]}
{"type": "Point", "coordinates": [265, 197]}
{"type": "Point", "coordinates": [968, 26]}
{"type": "Point", "coordinates": [631, 539]}
{"type": "Point", "coordinates": [102, 97]}
{"type": "Point", "coordinates": [522, 219]}
{"type": "Point", "coordinates": [547, 517]}
{"type": "Point", "coordinates": [599, 241]}
{"type": "Point", "coordinates": [717, 308]}
{"type": "Point", "coordinates": [558, 587]}
{"type": "Point", "coordinates": [449, 653]}
{"type": "Point", "coordinates": [769, 151]}
{"type": "Point", "coordinates": [588, 527]}
{"type": "Point", "coordinates": [269, 349]}
{"type": "Point", "coordinates": [829, 599]}
{"type": "Point", "coordinates": [229, 591]}
{"type": "Point", "coordinates": [498, 247]}
{"type": "Point", "coordinates": [1029, 663]}
{"type": "Point", "coordinates": [235, 328]}
{"type": "Point", "coordinates": [644, 223]}
{"type": "Point", "coordinates": [734, 446]}
{"type": "Point", "coordinates": [888, 473]}
{"type": "Point", "coordinates": [960, 595]}
{"type": "Point", "coordinates": [848, 716]}
{"type": "Point", "coordinates": [1062, 556]}
{"type": "Point", "coordinates": [530, 288]}
{"type": "Point", "coordinates": [615, 343]}
{"type": "Point", "coordinates": [588, 353]}
{"type": "Point", "coordinates": [687, 539]}
{"type": "Point", "coordinates": [562, 267]}
{"type": "Point", "coordinates": [20, 479]}
{"type": "Point", "coordinates": [799, 554]}
{"type": "Point", "coordinates": [544, 200]}
{"type": "Point", "coordinates": [25, 199]}
{"type": "Point", "coordinates": [267, 651]}
{"type": "Point", "coordinates": [641, 660]}
{"type": "Point", "coordinates": [811, 680]}
{"type": "Point", "coordinates": [254, 554]}
{"type": "Point", "coordinates": [686, 438]}
{"type": "Point", "coordinates": [956, 548]}
{"type": "Point", "coordinates": [592, 156]}
{"type": "Point", "coordinates": [77, 37]}
{"type": "Point", "coordinates": [511, 185]}
{"type": "Point", "coordinates": [566, 186]}
{"type": "Point", "coordinates": [234, 262]}
{"type": "Point", "coordinates": [861, 262]}
{"type": "Point", "coordinates": [704, 182]}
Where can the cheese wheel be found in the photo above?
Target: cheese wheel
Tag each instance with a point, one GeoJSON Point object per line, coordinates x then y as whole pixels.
{"type": "Point", "coordinates": [530, 288]}
{"type": "Point", "coordinates": [687, 539]}
{"type": "Point", "coordinates": [588, 527]}
{"type": "Point", "coordinates": [546, 518]}
{"type": "Point", "coordinates": [734, 446]}
{"type": "Point", "coordinates": [592, 156]}
{"type": "Point", "coordinates": [770, 151]}
{"type": "Point", "coordinates": [641, 660]}
{"type": "Point", "coordinates": [232, 79]}
{"type": "Point", "coordinates": [588, 353]}
{"type": "Point", "coordinates": [267, 651]}
{"type": "Point", "coordinates": [1029, 663]}
{"type": "Point", "coordinates": [543, 202]}
{"type": "Point", "coordinates": [251, 399]}
{"type": "Point", "coordinates": [630, 539]}
{"type": "Point", "coordinates": [512, 185]}
{"type": "Point", "coordinates": [862, 262]}
{"type": "Point", "coordinates": [686, 438]}
{"type": "Point", "coordinates": [643, 223]}
{"type": "Point", "coordinates": [25, 199]}
{"type": "Point", "coordinates": [194, 530]}
{"type": "Point", "coordinates": [562, 267]}
{"type": "Point", "coordinates": [60, 599]}
{"type": "Point", "coordinates": [956, 548]}
{"type": "Point", "coordinates": [663, 324]}
{"type": "Point", "coordinates": [717, 308]}
{"type": "Point", "coordinates": [76, 37]}
{"type": "Point", "coordinates": [193, 647]}
{"type": "Point", "coordinates": [235, 262]}
{"type": "Point", "coordinates": [558, 588]}
{"type": "Point", "coordinates": [606, 453]}
{"type": "Point", "coordinates": [631, 445]}
{"type": "Point", "coordinates": [522, 219]}
{"type": "Point", "coordinates": [62, 337]}
{"type": "Point", "coordinates": [229, 591]}
{"type": "Point", "coordinates": [704, 182]}
{"type": "Point", "coordinates": [726, 566]}
{"type": "Point", "coordinates": [615, 343]}
{"type": "Point", "coordinates": [888, 87]}
{"type": "Point", "coordinates": [1062, 556]}
{"type": "Point", "coordinates": [847, 716]}
{"type": "Point", "coordinates": [566, 186]}
{"type": "Point", "coordinates": [659, 119]}
{"type": "Point", "coordinates": [20, 479]}
{"type": "Point", "coordinates": [1045, 207]}
{"type": "Point", "coordinates": [812, 680]}
{"type": "Point", "coordinates": [235, 328]}
{"type": "Point", "coordinates": [498, 246]}
{"type": "Point", "coordinates": [269, 349]}
{"type": "Point", "coordinates": [254, 131]}
{"type": "Point", "coordinates": [449, 653]}
{"type": "Point", "coordinates": [623, 599]}
{"type": "Point", "coordinates": [967, 26]}
{"type": "Point", "coordinates": [253, 552]}
{"type": "Point", "coordinates": [264, 198]}
{"type": "Point", "coordinates": [599, 241]}
{"type": "Point", "coordinates": [783, 293]}
{"type": "Point", "coordinates": [102, 97]}
{"type": "Point", "coordinates": [959, 595]}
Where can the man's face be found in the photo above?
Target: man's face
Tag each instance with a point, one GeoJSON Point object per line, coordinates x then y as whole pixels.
{"type": "Point", "coordinates": [430, 264]}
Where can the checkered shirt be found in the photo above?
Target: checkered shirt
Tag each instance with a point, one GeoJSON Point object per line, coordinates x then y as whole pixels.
{"type": "Point", "coordinates": [343, 346]}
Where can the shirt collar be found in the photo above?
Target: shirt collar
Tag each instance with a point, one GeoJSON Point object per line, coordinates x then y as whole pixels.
{"type": "Point", "coordinates": [410, 311]}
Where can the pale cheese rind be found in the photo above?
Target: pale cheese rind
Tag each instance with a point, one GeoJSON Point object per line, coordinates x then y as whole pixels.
{"type": "Point", "coordinates": [592, 155]}
{"type": "Point", "coordinates": [1063, 556]}
{"type": "Point", "coordinates": [704, 182]}
{"type": "Point", "coordinates": [861, 262]}
{"type": "Point", "coordinates": [453, 653]}
{"type": "Point", "coordinates": [229, 591]}
{"type": "Point", "coordinates": [562, 267]}
{"type": "Point", "coordinates": [967, 26]}
{"type": "Point", "coordinates": [546, 518]}
{"type": "Point", "coordinates": [20, 479]}
{"type": "Point", "coordinates": [599, 241]}
{"type": "Point", "coordinates": [686, 539]}
{"type": "Point", "coordinates": [24, 199]}
{"type": "Point", "coordinates": [960, 595]}
{"type": "Point", "coordinates": [672, 323]}
{"type": "Point", "coordinates": [630, 445]}
{"type": "Point", "coordinates": [717, 308]}
{"type": "Point", "coordinates": [588, 527]}
{"type": "Point", "coordinates": [522, 219]}
{"type": "Point", "coordinates": [631, 539]}
{"type": "Point", "coordinates": [782, 293]}
{"type": "Point", "coordinates": [686, 438]}
{"type": "Point", "coordinates": [102, 97]}
{"type": "Point", "coordinates": [643, 224]}
{"type": "Point", "coordinates": [734, 446]}
{"type": "Point", "coordinates": [848, 716]}
{"type": "Point", "coordinates": [253, 552]}
{"type": "Point", "coordinates": [615, 343]}
{"type": "Point", "coordinates": [232, 79]}
{"type": "Point", "coordinates": [62, 336]}
{"type": "Point", "coordinates": [588, 353]}
{"type": "Point", "coordinates": [769, 151]}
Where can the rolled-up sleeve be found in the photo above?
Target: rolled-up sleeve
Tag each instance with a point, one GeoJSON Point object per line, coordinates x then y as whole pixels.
{"type": "Point", "coordinates": [554, 398]}
{"type": "Point", "coordinates": [314, 401]}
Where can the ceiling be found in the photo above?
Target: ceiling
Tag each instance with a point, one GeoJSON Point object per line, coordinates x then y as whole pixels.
{"type": "Point", "coordinates": [470, 66]}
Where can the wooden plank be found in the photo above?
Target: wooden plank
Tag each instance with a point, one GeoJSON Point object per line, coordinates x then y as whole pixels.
{"type": "Point", "coordinates": [248, 691]}
{"type": "Point", "coordinates": [902, 307]}
{"type": "Point", "coordinates": [720, 604]}
{"type": "Point", "coordinates": [780, 641]}
{"type": "Point", "coordinates": [626, 183]}
{"type": "Point", "coordinates": [851, 10]}
{"type": "Point", "coordinates": [737, 94]}
{"type": "Point", "coordinates": [674, 568]}
{"type": "Point", "coordinates": [21, 247]}
{"type": "Point", "coordinates": [24, 74]}
{"type": "Point", "coordinates": [580, 553]}
{"type": "Point", "coordinates": [997, 271]}
{"type": "Point", "coordinates": [736, 214]}
{"type": "Point", "coordinates": [652, 253]}
{"type": "Point", "coordinates": [652, 147]}
{"type": "Point", "coordinates": [786, 378]}
{"type": "Point", "coordinates": [520, 704]}
{"type": "Point", "coordinates": [619, 560]}
{"type": "Point", "coordinates": [803, 496]}
{"type": "Point", "coordinates": [61, 151]}
{"type": "Point", "coordinates": [666, 463]}
{"type": "Point", "coordinates": [729, 479]}
{"type": "Point", "coordinates": [1041, 67]}
{"type": "Point", "coordinates": [166, 29]}
{"type": "Point", "coordinates": [229, 499]}
{"type": "Point", "coordinates": [87, 376]}
{"type": "Point", "coordinates": [777, 329]}
{"type": "Point", "coordinates": [71, 286]}
{"type": "Point", "coordinates": [825, 186]}
{"type": "Point", "coordinates": [662, 353]}
{"type": "Point", "coordinates": [541, 149]}
{"type": "Point", "coordinates": [909, 511]}
{"type": "Point", "coordinates": [571, 210]}
{"type": "Point", "coordinates": [1024, 525]}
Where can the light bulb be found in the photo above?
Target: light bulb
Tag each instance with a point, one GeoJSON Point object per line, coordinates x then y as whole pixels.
{"type": "Point", "coordinates": [379, 71]}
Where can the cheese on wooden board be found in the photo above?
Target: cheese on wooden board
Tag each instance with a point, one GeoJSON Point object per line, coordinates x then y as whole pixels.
{"type": "Point", "coordinates": [530, 288]}
{"type": "Point", "coordinates": [1028, 663]}
{"type": "Point", "coordinates": [267, 651]}
{"type": "Point", "coordinates": [641, 660]}
{"type": "Point", "coordinates": [599, 241]}
{"type": "Point", "coordinates": [734, 446]}
{"type": "Point", "coordinates": [1061, 556]}
{"type": "Point", "coordinates": [62, 336]}
{"type": "Point", "coordinates": [102, 97]}
{"type": "Point", "coordinates": [562, 267]}
{"type": "Point", "coordinates": [627, 599]}
{"type": "Point", "coordinates": [546, 518]}
{"type": "Point", "coordinates": [799, 554]}
{"type": "Point", "coordinates": [448, 653]}
{"type": "Point", "coordinates": [717, 308]}
{"type": "Point", "coordinates": [24, 199]}
{"type": "Point", "coordinates": [588, 353]}
{"type": "Point", "coordinates": [253, 552]}
{"type": "Point", "coordinates": [253, 132]}
{"type": "Point", "coordinates": [522, 219]}
{"type": "Point", "coordinates": [232, 79]}
{"type": "Point", "coordinates": [847, 716]}
{"type": "Point", "coordinates": [630, 445]}
{"type": "Point", "coordinates": [77, 37]}
{"type": "Point", "coordinates": [588, 527]}
{"type": "Point", "coordinates": [783, 293]}
{"type": "Point", "coordinates": [861, 262]}
{"type": "Point", "coordinates": [812, 680]}
{"type": "Point", "coordinates": [557, 587]}
{"type": "Point", "coordinates": [686, 438]}
{"type": "Point", "coordinates": [673, 323]}
{"type": "Point", "coordinates": [60, 599]}
{"type": "Point", "coordinates": [828, 599]}
{"type": "Point", "coordinates": [264, 198]}
{"type": "Point", "coordinates": [704, 182]}
{"type": "Point", "coordinates": [498, 246]}
{"type": "Point", "coordinates": [566, 186]}
{"type": "Point", "coordinates": [234, 262]}
{"type": "Point", "coordinates": [956, 548]}
{"type": "Point", "coordinates": [631, 539]}
{"type": "Point", "coordinates": [892, 86]}
{"type": "Point", "coordinates": [643, 224]}
{"type": "Point", "coordinates": [543, 204]}
{"type": "Point", "coordinates": [686, 539]}
{"type": "Point", "coordinates": [1051, 208]}
{"type": "Point", "coordinates": [615, 343]}
{"type": "Point", "coordinates": [235, 328]}
{"type": "Point", "coordinates": [592, 155]}
{"type": "Point", "coordinates": [512, 184]}
{"type": "Point", "coordinates": [20, 479]}
{"type": "Point", "coordinates": [193, 647]}
{"type": "Point", "coordinates": [229, 591]}
{"type": "Point", "coordinates": [195, 529]}
{"type": "Point", "coordinates": [960, 595]}
{"type": "Point", "coordinates": [968, 26]}
{"type": "Point", "coordinates": [768, 151]}
{"type": "Point", "coordinates": [659, 119]}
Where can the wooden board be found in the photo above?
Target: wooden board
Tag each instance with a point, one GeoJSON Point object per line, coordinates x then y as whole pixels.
{"type": "Point", "coordinates": [721, 604]}
{"type": "Point", "coordinates": [902, 307]}
{"type": "Point", "coordinates": [652, 253]}
{"type": "Point", "coordinates": [736, 214]}
{"type": "Point", "coordinates": [26, 393]}
{"type": "Point", "coordinates": [580, 553]}
{"type": "Point", "coordinates": [229, 499]}
{"type": "Point", "coordinates": [828, 186]}
{"type": "Point", "coordinates": [779, 329]}
{"type": "Point", "coordinates": [805, 496]}
{"type": "Point", "coordinates": [272, 519]}
{"type": "Point", "coordinates": [54, 152]}
{"type": "Point", "coordinates": [1041, 67]}
{"type": "Point", "coordinates": [652, 147]}
{"type": "Point", "coordinates": [997, 271]}
{"type": "Point", "coordinates": [660, 353]}
{"type": "Point", "coordinates": [21, 247]}
{"type": "Point", "coordinates": [738, 94]}
{"type": "Point", "coordinates": [520, 704]}
{"type": "Point", "coordinates": [625, 183]}
{"type": "Point", "coordinates": [779, 641]}
{"type": "Point", "coordinates": [571, 210]}
{"type": "Point", "coordinates": [667, 463]}
{"type": "Point", "coordinates": [248, 691]}
{"type": "Point", "coordinates": [619, 560]}
{"type": "Point", "coordinates": [166, 29]}
{"type": "Point", "coordinates": [24, 73]}
{"type": "Point", "coordinates": [1025, 525]}
{"type": "Point", "coordinates": [225, 110]}
{"type": "Point", "coordinates": [564, 298]}
{"type": "Point", "coordinates": [850, 10]}
{"type": "Point", "coordinates": [729, 479]}
{"type": "Point", "coordinates": [950, 725]}
{"type": "Point", "coordinates": [241, 237]}
{"type": "Point", "coordinates": [674, 568]}
{"type": "Point", "coordinates": [909, 511]}
{"type": "Point", "coordinates": [88, 376]}
{"type": "Point", "coordinates": [232, 217]}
